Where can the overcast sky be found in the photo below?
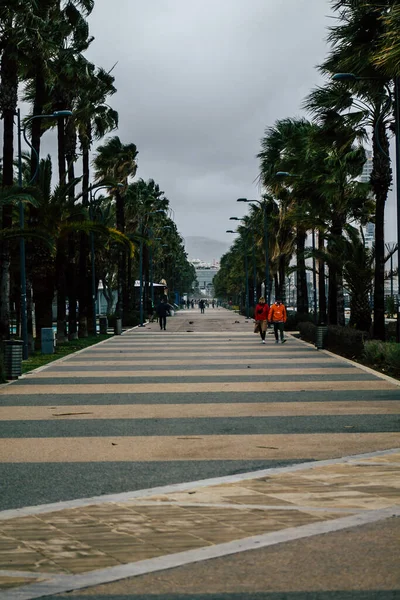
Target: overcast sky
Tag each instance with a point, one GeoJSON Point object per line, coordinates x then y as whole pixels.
{"type": "Point", "coordinates": [198, 82]}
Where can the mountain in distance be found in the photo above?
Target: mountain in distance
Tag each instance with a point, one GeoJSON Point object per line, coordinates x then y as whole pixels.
{"type": "Point", "coordinates": [204, 248]}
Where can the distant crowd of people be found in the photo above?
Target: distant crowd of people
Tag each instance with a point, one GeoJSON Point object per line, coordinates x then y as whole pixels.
{"type": "Point", "coordinates": [201, 303]}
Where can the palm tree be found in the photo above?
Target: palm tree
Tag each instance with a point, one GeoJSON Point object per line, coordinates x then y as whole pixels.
{"type": "Point", "coordinates": [14, 35]}
{"type": "Point", "coordinates": [387, 56]}
{"type": "Point", "coordinates": [283, 148]}
{"type": "Point", "coordinates": [116, 162]}
{"type": "Point", "coordinates": [354, 40]}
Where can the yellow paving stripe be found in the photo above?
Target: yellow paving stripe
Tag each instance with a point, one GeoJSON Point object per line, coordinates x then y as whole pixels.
{"type": "Point", "coordinates": [106, 353]}
{"type": "Point", "coordinates": [209, 447]}
{"type": "Point", "coordinates": [155, 372]}
{"type": "Point", "coordinates": [161, 361]}
{"type": "Point", "coordinates": [185, 388]}
{"type": "Point", "coordinates": [174, 411]}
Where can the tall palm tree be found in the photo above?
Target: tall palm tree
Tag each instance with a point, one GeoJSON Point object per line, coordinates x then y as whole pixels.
{"type": "Point", "coordinates": [354, 40]}
{"type": "Point", "coordinates": [116, 162]}
{"type": "Point", "coordinates": [283, 148]}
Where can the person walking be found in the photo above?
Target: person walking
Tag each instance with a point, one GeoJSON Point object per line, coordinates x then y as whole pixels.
{"type": "Point", "coordinates": [261, 318]}
{"type": "Point", "coordinates": [163, 310]}
{"type": "Point", "coordinates": [201, 305]}
{"type": "Point", "coordinates": [277, 316]}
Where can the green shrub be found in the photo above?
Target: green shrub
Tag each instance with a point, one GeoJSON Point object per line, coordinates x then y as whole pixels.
{"type": "Point", "coordinates": [383, 355]}
{"type": "Point", "coordinates": [374, 352]}
{"type": "Point", "coordinates": [346, 341]}
{"type": "Point", "coordinates": [391, 331]}
{"type": "Point", "coordinates": [294, 318]}
{"type": "Point", "coordinates": [307, 331]}
{"type": "Point", "coordinates": [393, 358]}
{"type": "Point", "coordinates": [2, 368]}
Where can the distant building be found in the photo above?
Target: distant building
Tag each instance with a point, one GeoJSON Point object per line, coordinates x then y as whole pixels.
{"type": "Point", "coordinates": [367, 168]}
{"type": "Point", "coordinates": [205, 273]}
{"type": "Point", "coordinates": [369, 229]}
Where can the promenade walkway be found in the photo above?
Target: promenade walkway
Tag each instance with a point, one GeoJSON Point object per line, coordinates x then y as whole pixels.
{"type": "Point", "coordinates": [168, 449]}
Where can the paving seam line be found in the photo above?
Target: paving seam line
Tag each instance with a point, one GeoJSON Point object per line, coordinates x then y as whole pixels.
{"type": "Point", "coordinates": [182, 487]}
{"type": "Point", "coordinates": [68, 583]}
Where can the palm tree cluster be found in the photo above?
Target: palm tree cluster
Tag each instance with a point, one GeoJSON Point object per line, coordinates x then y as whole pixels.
{"type": "Point", "coordinates": [66, 222]}
{"type": "Point", "coordinates": [310, 174]}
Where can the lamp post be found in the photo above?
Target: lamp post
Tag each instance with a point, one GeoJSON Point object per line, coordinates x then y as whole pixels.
{"type": "Point", "coordinates": [246, 276]}
{"type": "Point", "coordinates": [22, 258]}
{"type": "Point", "coordinates": [264, 208]}
{"type": "Point", "coordinates": [395, 97]}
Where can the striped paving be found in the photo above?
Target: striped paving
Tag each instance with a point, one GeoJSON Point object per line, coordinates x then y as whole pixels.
{"type": "Point", "coordinates": [202, 400]}
{"type": "Point", "coordinates": [202, 397]}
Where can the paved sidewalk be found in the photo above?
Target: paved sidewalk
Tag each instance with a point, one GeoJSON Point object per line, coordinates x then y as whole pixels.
{"type": "Point", "coordinates": [101, 540]}
{"type": "Point", "coordinates": [200, 445]}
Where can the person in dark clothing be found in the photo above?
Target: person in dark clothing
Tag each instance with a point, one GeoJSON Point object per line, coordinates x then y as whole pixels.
{"type": "Point", "coordinates": [163, 311]}
{"type": "Point", "coordinates": [202, 305]}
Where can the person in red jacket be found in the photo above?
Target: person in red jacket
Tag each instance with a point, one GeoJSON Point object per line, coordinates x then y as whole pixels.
{"type": "Point", "coordinates": [261, 318]}
{"type": "Point", "coordinates": [277, 316]}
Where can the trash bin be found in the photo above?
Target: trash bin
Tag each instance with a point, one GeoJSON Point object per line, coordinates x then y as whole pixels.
{"type": "Point", "coordinates": [48, 340]}
{"type": "Point", "coordinates": [13, 358]}
{"type": "Point", "coordinates": [103, 325]}
{"type": "Point", "coordinates": [118, 327]}
{"type": "Point", "coordinates": [320, 336]}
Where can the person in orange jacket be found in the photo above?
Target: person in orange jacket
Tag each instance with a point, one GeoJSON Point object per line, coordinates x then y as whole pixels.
{"type": "Point", "coordinates": [261, 318]}
{"type": "Point", "coordinates": [277, 316]}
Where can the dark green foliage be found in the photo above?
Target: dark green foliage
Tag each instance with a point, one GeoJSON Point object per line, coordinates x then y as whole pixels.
{"type": "Point", "coordinates": [295, 318]}
{"type": "Point", "coordinates": [346, 341]}
{"type": "Point", "coordinates": [307, 331]}
{"type": "Point", "coordinates": [384, 356]}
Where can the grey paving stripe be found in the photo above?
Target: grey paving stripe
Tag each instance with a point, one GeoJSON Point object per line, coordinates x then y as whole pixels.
{"type": "Point", "coordinates": [55, 400]}
{"type": "Point", "coordinates": [193, 366]}
{"type": "Point", "coordinates": [125, 356]}
{"type": "Point", "coordinates": [202, 426]}
{"type": "Point", "coordinates": [150, 378]}
{"type": "Point", "coordinates": [38, 483]}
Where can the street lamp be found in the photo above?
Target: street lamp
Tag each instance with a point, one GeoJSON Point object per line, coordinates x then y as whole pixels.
{"type": "Point", "coordinates": [264, 208]}
{"type": "Point", "coordinates": [246, 269]}
{"type": "Point", "coordinates": [22, 131]}
{"type": "Point", "coordinates": [286, 174]}
{"type": "Point", "coordinates": [351, 77]}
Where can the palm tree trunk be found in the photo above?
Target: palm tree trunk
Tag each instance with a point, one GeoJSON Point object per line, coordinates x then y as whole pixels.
{"type": "Point", "coordinates": [120, 217]}
{"type": "Point", "coordinates": [282, 278]}
{"type": "Point", "coordinates": [381, 178]}
{"type": "Point", "coordinates": [83, 287]}
{"type": "Point", "coordinates": [43, 294]}
{"type": "Point", "coordinates": [8, 107]}
{"type": "Point", "coordinates": [321, 282]}
{"type": "Point", "coordinates": [61, 292]}
{"type": "Point", "coordinates": [340, 300]}
{"type": "Point", "coordinates": [302, 292]}
{"type": "Point", "coordinates": [62, 171]}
